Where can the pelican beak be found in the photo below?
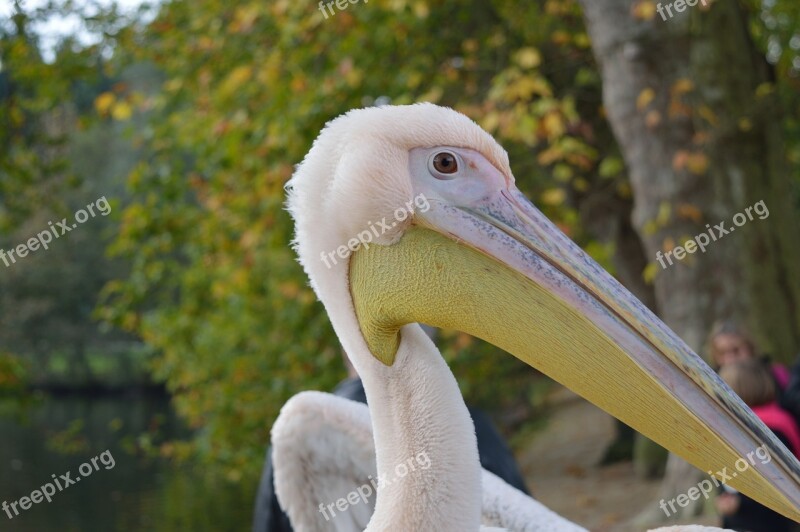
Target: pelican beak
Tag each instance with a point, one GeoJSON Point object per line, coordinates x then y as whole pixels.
{"type": "Point", "coordinates": [498, 269]}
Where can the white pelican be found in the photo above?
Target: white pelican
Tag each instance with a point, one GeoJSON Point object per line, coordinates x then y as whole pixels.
{"type": "Point", "coordinates": [481, 259]}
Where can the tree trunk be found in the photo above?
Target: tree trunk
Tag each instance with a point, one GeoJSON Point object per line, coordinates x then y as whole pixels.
{"type": "Point", "coordinates": [689, 102]}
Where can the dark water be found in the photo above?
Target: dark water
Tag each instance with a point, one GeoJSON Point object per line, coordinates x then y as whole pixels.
{"type": "Point", "coordinates": [53, 436]}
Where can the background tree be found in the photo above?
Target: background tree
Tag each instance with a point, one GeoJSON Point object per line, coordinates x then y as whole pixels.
{"type": "Point", "coordinates": [214, 285]}
{"type": "Point", "coordinates": [694, 106]}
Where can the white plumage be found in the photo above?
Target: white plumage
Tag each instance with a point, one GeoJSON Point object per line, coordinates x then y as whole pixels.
{"type": "Point", "coordinates": [359, 171]}
{"type": "Point", "coordinates": [324, 448]}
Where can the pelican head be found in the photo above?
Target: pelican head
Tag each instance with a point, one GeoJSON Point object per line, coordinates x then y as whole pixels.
{"type": "Point", "coordinates": [472, 253]}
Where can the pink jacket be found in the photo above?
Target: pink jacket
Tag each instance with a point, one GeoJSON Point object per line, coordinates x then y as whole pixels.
{"type": "Point", "coordinates": [778, 419]}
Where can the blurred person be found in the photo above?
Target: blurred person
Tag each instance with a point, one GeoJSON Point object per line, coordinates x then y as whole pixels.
{"type": "Point", "coordinates": [731, 342]}
{"type": "Point", "coordinates": [754, 383]}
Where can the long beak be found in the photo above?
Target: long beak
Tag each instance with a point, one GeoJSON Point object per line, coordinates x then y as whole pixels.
{"type": "Point", "coordinates": [500, 270]}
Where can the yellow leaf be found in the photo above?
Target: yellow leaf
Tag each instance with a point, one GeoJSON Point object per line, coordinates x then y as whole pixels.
{"type": "Point", "coordinates": [121, 110]}
{"type": "Point", "coordinates": [490, 121]}
{"type": "Point", "coordinates": [682, 86]}
{"type": "Point", "coordinates": [745, 124]}
{"type": "Point", "coordinates": [553, 197]}
{"type": "Point", "coordinates": [433, 95]}
{"type": "Point", "coordinates": [580, 184]}
{"type": "Point", "coordinates": [688, 211]}
{"type": "Point", "coordinates": [650, 227]}
{"type": "Point", "coordinates": [526, 86]}
{"type": "Point", "coordinates": [528, 57]}
{"type": "Point", "coordinates": [644, 10]}
{"type": "Point", "coordinates": [765, 89]}
{"type": "Point", "coordinates": [650, 272]}
{"type": "Point", "coordinates": [104, 102]}
{"type": "Point", "coordinates": [553, 125]}
{"type": "Point", "coordinates": [560, 37]}
{"type": "Point", "coordinates": [706, 112]}
{"type": "Point", "coordinates": [550, 155]}
{"type": "Point", "coordinates": [470, 45]}
{"type": "Point", "coordinates": [238, 77]}
{"type": "Point", "coordinates": [421, 10]}
{"type": "Point", "coordinates": [645, 97]}
{"type": "Point", "coordinates": [697, 163]}
{"type": "Point", "coordinates": [664, 210]}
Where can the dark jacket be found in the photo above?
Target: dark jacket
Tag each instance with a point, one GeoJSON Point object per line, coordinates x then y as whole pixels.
{"type": "Point", "coordinates": [755, 517]}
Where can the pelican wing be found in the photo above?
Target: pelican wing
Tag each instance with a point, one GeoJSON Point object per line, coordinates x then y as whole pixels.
{"type": "Point", "coordinates": [324, 454]}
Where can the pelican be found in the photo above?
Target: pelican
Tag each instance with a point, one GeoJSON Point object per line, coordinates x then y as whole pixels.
{"type": "Point", "coordinates": [475, 256]}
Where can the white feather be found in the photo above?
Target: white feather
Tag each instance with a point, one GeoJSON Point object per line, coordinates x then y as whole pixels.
{"type": "Point", "coordinates": [323, 451]}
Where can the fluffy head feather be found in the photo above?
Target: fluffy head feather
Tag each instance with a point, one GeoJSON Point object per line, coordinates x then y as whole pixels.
{"type": "Point", "coordinates": [357, 173]}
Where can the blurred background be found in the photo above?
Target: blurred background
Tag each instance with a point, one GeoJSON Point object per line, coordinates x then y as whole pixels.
{"type": "Point", "coordinates": [171, 331]}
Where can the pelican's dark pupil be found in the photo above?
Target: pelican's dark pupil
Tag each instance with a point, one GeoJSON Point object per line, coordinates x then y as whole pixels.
{"type": "Point", "coordinates": [445, 163]}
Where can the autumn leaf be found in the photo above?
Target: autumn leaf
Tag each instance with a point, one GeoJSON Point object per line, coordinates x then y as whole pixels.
{"type": "Point", "coordinates": [690, 212]}
{"type": "Point", "coordinates": [682, 86]}
{"type": "Point", "coordinates": [610, 166]}
{"type": "Point", "coordinates": [679, 160]}
{"type": "Point", "coordinates": [697, 163]}
{"type": "Point", "coordinates": [706, 112]}
{"type": "Point", "coordinates": [650, 272]}
{"type": "Point", "coordinates": [553, 125]}
{"type": "Point", "coordinates": [104, 102]}
{"type": "Point", "coordinates": [237, 77]}
{"type": "Point", "coordinates": [645, 97]}
{"type": "Point", "coordinates": [678, 108]}
{"type": "Point", "coordinates": [664, 212]}
{"type": "Point", "coordinates": [121, 110]}
{"type": "Point", "coordinates": [652, 119]}
{"type": "Point", "coordinates": [644, 10]}
{"type": "Point", "coordinates": [421, 10]}
{"type": "Point", "coordinates": [765, 89]}
{"type": "Point", "coordinates": [553, 197]}
{"type": "Point", "coordinates": [528, 57]}
{"type": "Point", "coordinates": [745, 124]}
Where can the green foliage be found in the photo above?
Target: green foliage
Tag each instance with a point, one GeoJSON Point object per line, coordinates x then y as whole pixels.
{"type": "Point", "coordinates": [774, 27]}
{"type": "Point", "coordinates": [13, 374]}
{"type": "Point", "coordinates": [36, 115]}
{"type": "Point", "coordinates": [211, 105]}
{"type": "Point", "coordinates": [57, 157]}
{"type": "Point", "coordinates": [214, 285]}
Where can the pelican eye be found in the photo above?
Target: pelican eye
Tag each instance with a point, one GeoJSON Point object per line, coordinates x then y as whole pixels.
{"type": "Point", "coordinates": [445, 162]}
